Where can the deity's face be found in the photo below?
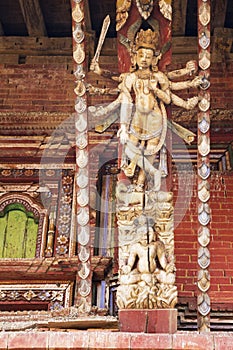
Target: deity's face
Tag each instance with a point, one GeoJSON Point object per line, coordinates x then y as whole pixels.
{"type": "Point", "coordinates": [144, 57]}
{"type": "Point", "coordinates": [143, 232]}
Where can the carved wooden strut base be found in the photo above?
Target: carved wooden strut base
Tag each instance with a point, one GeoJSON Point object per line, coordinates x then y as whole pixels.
{"type": "Point", "coordinates": [147, 269]}
{"type": "Point", "coordinates": [148, 321]}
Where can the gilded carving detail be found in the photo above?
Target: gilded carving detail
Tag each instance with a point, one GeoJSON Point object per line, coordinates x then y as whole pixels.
{"type": "Point", "coordinates": [144, 213]}
{"type": "Point", "coordinates": [166, 8]}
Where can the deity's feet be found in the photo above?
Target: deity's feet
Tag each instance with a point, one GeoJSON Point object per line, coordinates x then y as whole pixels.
{"type": "Point", "coordinates": [157, 180]}
{"type": "Point", "coordinates": [139, 187]}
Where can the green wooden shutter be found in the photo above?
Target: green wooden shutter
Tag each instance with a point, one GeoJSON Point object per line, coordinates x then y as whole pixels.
{"type": "Point", "coordinates": [18, 232]}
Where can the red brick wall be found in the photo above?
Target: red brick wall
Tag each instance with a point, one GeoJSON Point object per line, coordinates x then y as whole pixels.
{"type": "Point", "coordinates": [221, 85]}
{"type": "Point", "coordinates": [36, 88]}
{"type": "Point", "coordinates": [49, 88]}
{"type": "Point", "coordinates": [221, 244]}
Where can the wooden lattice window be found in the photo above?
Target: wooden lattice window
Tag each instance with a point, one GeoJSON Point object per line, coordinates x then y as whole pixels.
{"type": "Point", "coordinates": [22, 227]}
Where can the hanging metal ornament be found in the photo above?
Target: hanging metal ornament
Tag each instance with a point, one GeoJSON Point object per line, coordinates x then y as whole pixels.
{"type": "Point", "coordinates": [203, 280]}
{"type": "Point", "coordinates": [79, 54]}
{"type": "Point", "coordinates": [81, 158]}
{"type": "Point", "coordinates": [204, 214]}
{"type": "Point", "coordinates": [83, 197]}
{"type": "Point", "coordinates": [82, 178]}
{"type": "Point", "coordinates": [204, 14]}
{"type": "Point", "coordinates": [204, 40]}
{"type": "Point", "coordinates": [81, 122]}
{"type": "Point", "coordinates": [204, 191]}
{"type": "Point", "coordinates": [80, 88]}
{"type": "Point", "coordinates": [84, 270]}
{"type": "Point", "coordinates": [84, 287]}
{"type": "Point", "coordinates": [203, 257]}
{"type": "Point", "coordinates": [81, 140]}
{"type": "Point", "coordinates": [83, 216]}
{"type": "Point", "coordinates": [80, 104]}
{"type": "Point", "coordinates": [204, 145]}
{"type": "Point", "coordinates": [83, 235]}
{"type": "Point", "coordinates": [79, 73]}
{"type": "Point", "coordinates": [84, 253]}
{"type": "Point", "coordinates": [204, 59]}
{"type": "Point", "coordinates": [203, 323]}
{"type": "Point", "coordinates": [204, 104]}
{"type": "Point", "coordinates": [204, 236]}
{"type": "Point", "coordinates": [205, 83]}
{"type": "Point", "coordinates": [204, 125]}
{"type": "Point", "coordinates": [204, 171]}
{"type": "Point", "coordinates": [145, 7]}
{"type": "Point", "coordinates": [78, 33]}
{"type": "Point", "coordinates": [77, 13]}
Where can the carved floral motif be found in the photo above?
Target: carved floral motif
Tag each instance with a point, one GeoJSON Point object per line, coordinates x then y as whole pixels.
{"type": "Point", "coordinates": [52, 293]}
{"type": "Point", "coordinates": [64, 217]}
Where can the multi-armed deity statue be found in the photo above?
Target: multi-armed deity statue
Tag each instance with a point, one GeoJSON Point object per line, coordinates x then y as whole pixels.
{"type": "Point", "coordinates": [144, 212]}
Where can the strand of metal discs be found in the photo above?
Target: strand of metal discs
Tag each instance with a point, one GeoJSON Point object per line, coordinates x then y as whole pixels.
{"type": "Point", "coordinates": [83, 282]}
{"type": "Point", "coordinates": [203, 168]}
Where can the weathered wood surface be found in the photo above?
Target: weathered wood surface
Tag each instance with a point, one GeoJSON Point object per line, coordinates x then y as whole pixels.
{"type": "Point", "coordinates": [33, 17]}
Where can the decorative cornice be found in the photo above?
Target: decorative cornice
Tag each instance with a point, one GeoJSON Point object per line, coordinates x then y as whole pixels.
{"type": "Point", "coordinates": [217, 115]}
{"type": "Point", "coordinates": [30, 121]}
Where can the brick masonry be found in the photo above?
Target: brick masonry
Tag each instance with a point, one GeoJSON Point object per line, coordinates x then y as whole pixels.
{"type": "Point", "coordinates": [101, 340]}
{"type": "Point", "coordinates": [36, 88]}
{"type": "Point", "coordinates": [49, 88]}
{"type": "Point", "coordinates": [221, 244]}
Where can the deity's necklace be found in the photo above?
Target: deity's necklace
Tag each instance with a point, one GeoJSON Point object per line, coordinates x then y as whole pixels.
{"type": "Point", "coordinates": [143, 75]}
{"type": "Point", "coordinates": [145, 78]}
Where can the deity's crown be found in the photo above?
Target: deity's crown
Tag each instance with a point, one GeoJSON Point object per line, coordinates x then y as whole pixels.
{"type": "Point", "coordinates": [146, 39]}
{"type": "Point", "coordinates": [143, 220]}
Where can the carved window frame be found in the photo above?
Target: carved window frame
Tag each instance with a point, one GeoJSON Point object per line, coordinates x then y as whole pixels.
{"type": "Point", "coordinates": [38, 211]}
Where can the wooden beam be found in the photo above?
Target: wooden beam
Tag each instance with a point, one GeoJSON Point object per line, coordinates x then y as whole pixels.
{"type": "Point", "coordinates": [1, 29]}
{"type": "Point", "coordinates": [222, 44]}
{"type": "Point", "coordinates": [184, 45]}
{"type": "Point", "coordinates": [59, 50]}
{"type": "Point", "coordinates": [87, 16]}
{"type": "Point", "coordinates": [179, 17]}
{"type": "Point", "coordinates": [32, 46]}
{"type": "Point", "coordinates": [218, 9]}
{"type": "Point", "coordinates": [33, 17]}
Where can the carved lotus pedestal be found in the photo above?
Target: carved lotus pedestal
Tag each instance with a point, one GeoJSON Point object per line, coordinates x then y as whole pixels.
{"type": "Point", "coordinates": [148, 320]}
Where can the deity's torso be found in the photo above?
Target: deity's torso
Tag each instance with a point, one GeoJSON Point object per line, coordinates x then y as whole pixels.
{"type": "Point", "coordinates": [147, 120]}
{"type": "Point", "coordinates": [145, 265]}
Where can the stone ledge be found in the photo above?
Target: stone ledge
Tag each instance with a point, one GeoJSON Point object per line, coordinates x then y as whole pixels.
{"type": "Point", "coordinates": [148, 320]}
{"type": "Point", "coordinates": [102, 339]}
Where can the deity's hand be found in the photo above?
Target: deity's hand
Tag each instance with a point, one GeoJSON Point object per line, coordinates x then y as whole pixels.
{"type": "Point", "coordinates": [196, 82]}
{"type": "Point", "coordinates": [126, 269]}
{"type": "Point", "coordinates": [191, 67]}
{"type": "Point", "coordinates": [123, 134]}
{"type": "Point", "coordinates": [170, 268]}
{"type": "Point", "coordinates": [94, 67]}
{"type": "Point", "coordinates": [192, 102]}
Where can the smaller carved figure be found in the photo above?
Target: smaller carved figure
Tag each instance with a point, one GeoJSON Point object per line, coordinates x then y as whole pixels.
{"type": "Point", "coordinates": [147, 279]}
